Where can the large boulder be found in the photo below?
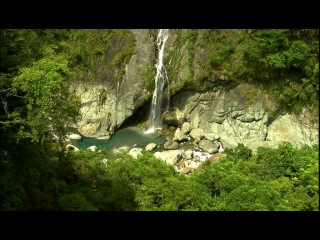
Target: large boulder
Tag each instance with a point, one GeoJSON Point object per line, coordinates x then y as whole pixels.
{"type": "Point", "coordinates": [186, 127]}
{"type": "Point", "coordinates": [187, 154]}
{"type": "Point", "coordinates": [211, 136]}
{"type": "Point", "coordinates": [135, 152]}
{"type": "Point", "coordinates": [71, 147]}
{"type": "Point", "coordinates": [208, 146]}
{"type": "Point", "coordinates": [74, 136]}
{"type": "Point", "coordinates": [92, 148]}
{"type": "Point", "coordinates": [171, 157]}
{"type": "Point", "coordinates": [179, 136]}
{"type": "Point", "coordinates": [287, 128]}
{"type": "Point", "coordinates": [171, 145]}
{"type": "Point", "coordinates": [121, 149]}
{"type": "Point", "coordinates": [150, 147]}
{"type": "Point", "coordinates": [173, 118]}
{"type": "Point", "coordinates": [197, 134]}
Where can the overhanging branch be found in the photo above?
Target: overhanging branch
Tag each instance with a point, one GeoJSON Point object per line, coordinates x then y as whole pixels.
{"type": "Point", "coordinates": [13, 122]}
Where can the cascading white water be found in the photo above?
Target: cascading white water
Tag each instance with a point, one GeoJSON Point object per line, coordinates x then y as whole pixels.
{"type": "Point", "coordinates": [160, 80]}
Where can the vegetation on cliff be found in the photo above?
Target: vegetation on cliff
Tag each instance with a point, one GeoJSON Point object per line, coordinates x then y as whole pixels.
{"type": "Point", "coordinates": [283, 61]}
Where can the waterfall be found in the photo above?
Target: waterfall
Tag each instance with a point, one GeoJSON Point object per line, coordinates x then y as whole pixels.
{"type": "Point", "coordinates": [161, 80]}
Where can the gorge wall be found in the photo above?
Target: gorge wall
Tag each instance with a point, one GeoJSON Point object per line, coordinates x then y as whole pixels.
{"type": "Point", "coordinates": [108, 101]}
{"type": "Point", "coordinates": [238, 113]}
{"type": "Point", "coordinates": [238, 117]}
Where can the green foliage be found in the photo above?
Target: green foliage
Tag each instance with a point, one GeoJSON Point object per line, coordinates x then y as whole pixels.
{"type": "Point", "coordinates": [87, 165]}
{"type": "Point", "coordinates": [191, 37]}
{"type": "Point", "coordinates": [297, 53]}
{"type": "Point", "coordinates": [222, 58]}
{"type": "Point", "coordinates": [12, 192]}
{"type": "Point", "coordinates": [27, 176]}
{"type": "Point", "coordinates": [158, 187]}
{"type": "Point", "coordinates": [280, 59]}
{"type": "Point", "coordinates": [240, 152]}
{"type": "Point", "coordinates": [259, 196]}
{"type": "Point", "coordinates": [270, 180]}
{"type": "Point", "coordinates": [173, 194]}
{"type": "Point", "coordinates": [284, 61]}
{"type": "Point", "coordinates": [219, 56]}
{"type": "Point", "coordinates": [74, 202]}
{"type": "Point", "coordinates": [147, 166]}
{"type": "Point", "coordinates": [85, 47]}
{"type": "Point", "coordinates": [41, 82]}
{"type": "Point", "coordinates": [148, 77]}
{"type": "Point", "coordinates": [46, 95]}
{"type": "Point", "coordinates": [211, 176]}
{"type": "Point", "coordinates": [21, 47]}
{"type": "Point", "coordinates": [273, 180]}
{"type": "Point", "coordinates": [106, 188]}
{"type": "Point", "coordinates": [122, 57]}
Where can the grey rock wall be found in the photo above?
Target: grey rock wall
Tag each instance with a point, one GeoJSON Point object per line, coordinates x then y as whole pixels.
{"type": "Point", "coordinates": [101, 116]}
{"type": "Point", "coordinates": [239, 118]}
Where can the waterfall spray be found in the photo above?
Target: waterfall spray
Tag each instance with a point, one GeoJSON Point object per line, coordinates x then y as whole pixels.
{"type": "Point", "coordinates": [160, 80]}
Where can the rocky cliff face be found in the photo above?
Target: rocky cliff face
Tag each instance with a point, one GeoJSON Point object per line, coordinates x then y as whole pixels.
{"type": "Point", "coordinates": [243, 114]}
{"type": "Point", "coordinates": [107, 102]}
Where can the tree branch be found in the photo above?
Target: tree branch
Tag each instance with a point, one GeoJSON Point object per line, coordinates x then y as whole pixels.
{"type": "Point", "coordinates": [13, 122]}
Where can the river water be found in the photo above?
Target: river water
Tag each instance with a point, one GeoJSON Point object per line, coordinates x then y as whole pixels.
{"type": "Point", "coordinates": [126, 137]}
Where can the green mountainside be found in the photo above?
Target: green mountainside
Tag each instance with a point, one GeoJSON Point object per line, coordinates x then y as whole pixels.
{"type": "Point", "coordinates": [38, 66]}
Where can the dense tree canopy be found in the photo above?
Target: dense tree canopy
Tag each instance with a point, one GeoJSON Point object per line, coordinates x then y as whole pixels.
{"type": "Point", "coordinates": [45, 91]}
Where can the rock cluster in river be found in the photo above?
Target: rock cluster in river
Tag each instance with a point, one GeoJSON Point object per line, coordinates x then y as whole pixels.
{"type": "Point", "coordinates": [185, 152]}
